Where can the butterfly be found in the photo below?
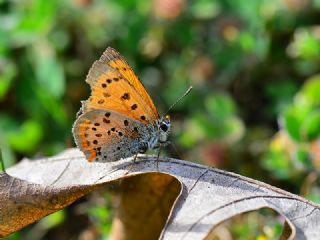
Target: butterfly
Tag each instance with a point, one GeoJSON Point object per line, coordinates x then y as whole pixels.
{"type": "Point", "coordinates": [119, 119]}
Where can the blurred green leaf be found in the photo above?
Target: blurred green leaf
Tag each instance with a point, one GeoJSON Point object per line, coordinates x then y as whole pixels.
{"type": "Point", "coordinates": [220, 123]}
{"type": "Point", "coordinates": [292, 122]}
{"type": "Point", "coordinates": [316, 3]}
{"type": "Point", "coordinates": [246, 41]}
{"type": "Point", "coordinates": [302, 159]}
{"type": "Point", "coordinates": [205, 9]}
{"type": "Point", "coordinates": [26, 137]}
{"type": "Point", "coordinates": [51, 105]}
{"type": "Point", "coordinates": [101, 216]}
{"type": "Point", "coordinates": [36, 16]}
{"type": "Point", "coordinates": [21, 138]}
{"type": "Point", "coordinates": [7, 123]}
{"type": "Point", "coordinates": [234, 129]}
{"type": "Point", "coordinates": [49, 71]}
{"type": "Point", "coordinates": [311, 91]}
{"type": "Point", "coordinates": [306, 67]}
{"type": "Point", "coordinates": [314, 196]}
{"type": "Point", "coordinates": [293, 119]}
{"type": "Point", "coordinates": [220, 106]}
{"type": "Point", "coordinates": [14, 236]}
{"type": "Point", "coordinates": [278, 163]}
{"type": "Point", "coordinates": [53, 219]}
{"type": "Point", "coordinates": [306, 45]}
{"type": "Point", "coordinates": [7, 74]}
{"type": "Point", "coordinates": [301, 122]}
{"type": "Point", "coordinates": [310, 128]}
{"type": "Point", "coordinates": [301, 119]}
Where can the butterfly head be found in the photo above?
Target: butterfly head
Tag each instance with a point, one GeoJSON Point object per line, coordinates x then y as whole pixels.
{"type": "Point", "coordinates": [164, 127]}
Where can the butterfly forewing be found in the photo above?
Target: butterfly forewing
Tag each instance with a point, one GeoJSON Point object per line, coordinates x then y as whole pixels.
{"type": "Point", "coordinates": [116, 61]}
{"type": "Point", "coordinates": [106, 136]}
{"type": "Point", "coordinates": [115, 86]}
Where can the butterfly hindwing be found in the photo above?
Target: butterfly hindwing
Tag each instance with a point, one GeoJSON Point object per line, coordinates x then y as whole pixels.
{"type": "Point", "coordinates": [106, 136]}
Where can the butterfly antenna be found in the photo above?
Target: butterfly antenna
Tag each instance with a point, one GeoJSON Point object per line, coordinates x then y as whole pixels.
{"type": "Point", "coordinates": [179, 99]}
{"type": "Point", "coordinates": [2, 163]}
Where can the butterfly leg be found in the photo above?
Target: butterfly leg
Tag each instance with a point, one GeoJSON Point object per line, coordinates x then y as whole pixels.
{"type": "Point", "coordinates": [143, 147]}
{"type": "Point", "coordinates": [159, 149]}
{"type": "Point", "coordinates": [132, 164]}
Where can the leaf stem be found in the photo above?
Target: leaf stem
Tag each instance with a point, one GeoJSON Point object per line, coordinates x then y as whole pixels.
{"type": "Point", "coordinates": [2, 163]}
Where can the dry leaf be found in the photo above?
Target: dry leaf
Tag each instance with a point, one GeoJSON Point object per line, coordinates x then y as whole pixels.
{"type": "Point", "coordinates": [190, 199]}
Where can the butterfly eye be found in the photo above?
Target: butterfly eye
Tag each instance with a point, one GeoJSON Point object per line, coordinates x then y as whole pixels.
{"type": "Point", "coordinates": [164, 127]}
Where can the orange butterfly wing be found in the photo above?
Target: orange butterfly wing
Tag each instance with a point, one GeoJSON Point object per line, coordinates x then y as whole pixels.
{"type": "Point", "coordinates": [115, 86]}
{"type": "Point", "coordinates": [105, 135]}
{"type": "Point", "coordinates": [117, 62]}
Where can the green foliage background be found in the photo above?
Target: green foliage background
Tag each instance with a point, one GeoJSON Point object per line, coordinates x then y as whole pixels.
{"type": "Point", "coordinates": [254, 65]}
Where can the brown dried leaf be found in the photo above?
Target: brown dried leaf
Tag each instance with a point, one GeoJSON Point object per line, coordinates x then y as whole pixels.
{"type": "Point", "coordinates": [203, 197]}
